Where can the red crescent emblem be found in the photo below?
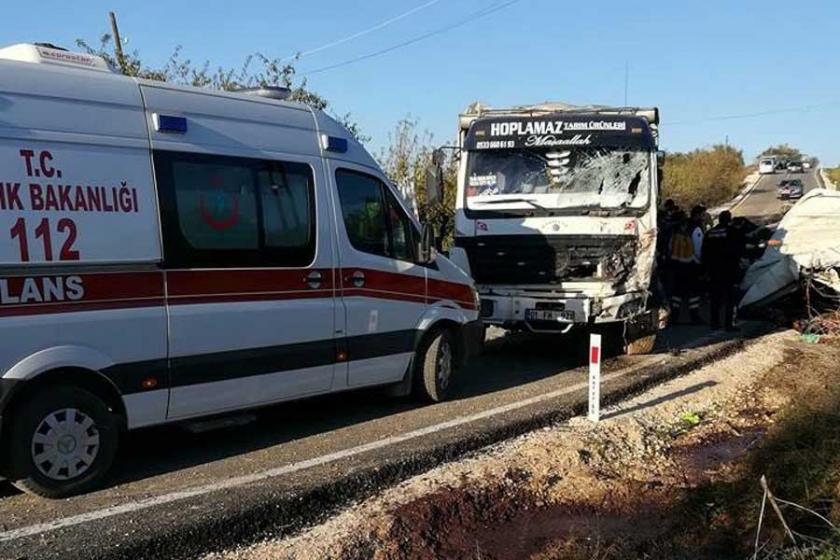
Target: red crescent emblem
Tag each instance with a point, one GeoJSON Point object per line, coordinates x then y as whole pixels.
{"type": "Point", "coordinates": [219, 224]}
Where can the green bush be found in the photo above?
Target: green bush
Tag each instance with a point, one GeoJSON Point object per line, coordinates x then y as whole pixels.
{"type": "Point", "coordinates": [708, 176]}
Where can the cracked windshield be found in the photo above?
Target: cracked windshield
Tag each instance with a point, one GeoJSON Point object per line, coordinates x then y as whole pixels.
{"type": "Point", "coordinates": [599, 177]}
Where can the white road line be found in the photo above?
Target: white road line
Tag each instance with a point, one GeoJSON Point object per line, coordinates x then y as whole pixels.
{"type": "Point", "coordinates": [745, 194]}
{"type": "Point", "coordinates": [234, 482]}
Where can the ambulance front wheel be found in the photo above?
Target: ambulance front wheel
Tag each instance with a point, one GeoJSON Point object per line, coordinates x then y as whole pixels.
{"type": "Point", "coordinates": [62, 442]}
{"type": "Point", "coordinates": [434, 366]}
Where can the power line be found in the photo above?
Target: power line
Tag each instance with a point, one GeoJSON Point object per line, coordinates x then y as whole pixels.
{"type": "Point", "coordinates": [468, 19]}
{"type": "Point", "coordinates": [363, 32]}
{"type": "Point", "coordinates": [802, 109]}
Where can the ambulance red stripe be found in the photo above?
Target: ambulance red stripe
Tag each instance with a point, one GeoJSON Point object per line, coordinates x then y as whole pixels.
{"type": "Point", "coordinates": [127, 290]}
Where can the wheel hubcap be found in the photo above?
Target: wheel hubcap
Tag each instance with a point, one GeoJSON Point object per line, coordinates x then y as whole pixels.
{"type": "Point", "coordinates": [65, 445]}
{"type": "Point", "coordinates": [444, 364]}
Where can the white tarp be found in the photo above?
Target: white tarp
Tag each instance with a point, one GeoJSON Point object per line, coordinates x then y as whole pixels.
{"type": "Point", "coordinates": [807, 240]}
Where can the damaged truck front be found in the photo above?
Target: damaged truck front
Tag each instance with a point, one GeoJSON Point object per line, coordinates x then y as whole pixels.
{"type": "Point", "coordinates": [556, 217]}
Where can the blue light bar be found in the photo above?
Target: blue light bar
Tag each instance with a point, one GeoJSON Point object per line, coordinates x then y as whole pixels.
{"type": "Point", "coordinates": [168, 123]}
{"type": "Point", "coordinates": [334, 143]}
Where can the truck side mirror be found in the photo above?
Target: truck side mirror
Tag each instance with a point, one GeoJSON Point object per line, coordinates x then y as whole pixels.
{"type": "Point", "coordinates": [425, 254]}
{"type": "Point", "coordinates": [434, 177]}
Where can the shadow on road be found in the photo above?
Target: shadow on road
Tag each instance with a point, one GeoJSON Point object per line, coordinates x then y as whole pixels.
{"type": "Point", "coordinates": [507, 362]}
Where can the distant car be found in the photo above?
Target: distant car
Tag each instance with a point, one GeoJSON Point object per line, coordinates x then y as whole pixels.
{"type": "Point", "coordinates": [806, 165]}
{"type": "Point", "coordinates": [790, 189]}
{"type": "Point", "coordinates": [795, 167]}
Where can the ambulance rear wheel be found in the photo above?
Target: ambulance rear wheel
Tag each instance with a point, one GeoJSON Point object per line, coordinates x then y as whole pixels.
{"type": "Point", "coordinates": [63, 441]}
{"type": "Point", "coordinates": [434, 366]}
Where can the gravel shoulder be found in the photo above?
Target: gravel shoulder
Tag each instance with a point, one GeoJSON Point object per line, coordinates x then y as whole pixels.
{"type": "Point", "coordinates": [576, 489]}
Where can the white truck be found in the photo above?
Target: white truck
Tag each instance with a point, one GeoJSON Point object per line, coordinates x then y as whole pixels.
{"type": "Point", "coordinates": [555, 217]}
{"type": "Point", "coordinates": [767, 165]}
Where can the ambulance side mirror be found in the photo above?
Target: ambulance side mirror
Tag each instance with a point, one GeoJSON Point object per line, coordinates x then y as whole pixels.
{"type": "Point", "coordinates": [425, 246]}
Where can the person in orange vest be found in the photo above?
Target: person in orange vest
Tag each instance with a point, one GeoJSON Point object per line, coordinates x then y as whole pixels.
{"type": "Point", "coordinates": [684, 258]}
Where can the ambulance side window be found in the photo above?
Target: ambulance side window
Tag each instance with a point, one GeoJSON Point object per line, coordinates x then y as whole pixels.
{"type": "Point", "coordinates": [216, 205]}
{"type": "Point", "coordinates": [220, 211]}
{"type": "Point", "coordinates": [287, 204]}
{"type": "Point", "coordinates": [403, 243]}
{"type": "Point", "coordinates": [374, 220]}
{"type": "Point", "coordinates": [363, 209]}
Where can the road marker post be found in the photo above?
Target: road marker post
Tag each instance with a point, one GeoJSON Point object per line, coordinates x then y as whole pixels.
{"type": "Point", "coordinates": [594, 377]}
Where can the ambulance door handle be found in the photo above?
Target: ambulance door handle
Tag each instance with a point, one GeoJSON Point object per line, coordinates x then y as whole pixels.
{"type": "Point", "coordinates": [357, 279]}
{"type": "Point", "coordinates": [314, 279]}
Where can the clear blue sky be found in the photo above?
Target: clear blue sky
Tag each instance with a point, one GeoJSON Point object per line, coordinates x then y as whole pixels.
{"type": "Point", "coordinates": [694, 59]}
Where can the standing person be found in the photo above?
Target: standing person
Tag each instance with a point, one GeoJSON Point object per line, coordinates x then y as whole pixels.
{"type": "Point", "coordinates": [667, 223]}
{"type": "Point", "coordinates": [721, 259]}
{"type": "Point", "coordinates": [683, 263]}
{"type": "Point", "coordinates": [695, 284]}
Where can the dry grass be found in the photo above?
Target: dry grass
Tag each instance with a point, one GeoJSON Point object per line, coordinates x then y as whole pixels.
{"type": "Point", "coordinates": [708, 176]}
{"type": "Point", "coordinates": [834, 175]}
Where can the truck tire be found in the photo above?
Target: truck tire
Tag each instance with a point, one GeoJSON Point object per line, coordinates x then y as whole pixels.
{"type": "Point", "coordinates": [62, 442]}
{"type": "Point", "coordinates": [434, 366]}
{"type": "Point", "coordinates": [640, 346]}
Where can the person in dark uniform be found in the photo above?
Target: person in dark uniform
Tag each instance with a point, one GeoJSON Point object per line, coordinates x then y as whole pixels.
{"type": "Point", "coordinates": [721, 258]}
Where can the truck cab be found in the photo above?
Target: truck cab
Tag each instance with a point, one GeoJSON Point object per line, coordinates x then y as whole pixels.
{"type": "Point", "coordinates": [556, 216]}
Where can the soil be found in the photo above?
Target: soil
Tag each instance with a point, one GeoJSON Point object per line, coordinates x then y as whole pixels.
{"type": "Point", "coordinates": [636, 484]}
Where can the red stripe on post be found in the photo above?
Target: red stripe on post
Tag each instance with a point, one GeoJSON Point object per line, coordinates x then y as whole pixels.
{"type": "Point", "coordinates": [594, 355]}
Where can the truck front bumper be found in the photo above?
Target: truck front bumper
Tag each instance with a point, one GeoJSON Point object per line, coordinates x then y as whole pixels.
{"type": "Point", "coordinates": [516, 310]}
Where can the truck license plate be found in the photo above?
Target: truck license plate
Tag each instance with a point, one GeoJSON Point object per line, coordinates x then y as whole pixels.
{"type": "Point", "coordinates": [549, 315]}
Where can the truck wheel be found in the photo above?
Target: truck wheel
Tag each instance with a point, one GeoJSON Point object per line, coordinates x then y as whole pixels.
{"type": "Point", "coordinates": [62, 442]}
{"type": "Point", "coordinates": [639, 346]}
{"type": "Point", "coordinates": [434, 366]}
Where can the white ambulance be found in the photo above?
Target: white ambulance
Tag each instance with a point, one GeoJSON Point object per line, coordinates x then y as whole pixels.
{"type": "Point", "coordinates": [170, 253]}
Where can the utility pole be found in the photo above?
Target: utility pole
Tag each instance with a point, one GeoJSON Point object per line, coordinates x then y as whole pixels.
{"type": "Point", "coordinates": [117, 41]}
{"type": "Point", "coordinates": [626, 80]}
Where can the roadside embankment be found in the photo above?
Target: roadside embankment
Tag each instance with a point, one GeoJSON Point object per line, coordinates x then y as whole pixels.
{"type": "Point", "coordinates": [830, 177]}
{"type": "Point", "coordinates": [671, 473]}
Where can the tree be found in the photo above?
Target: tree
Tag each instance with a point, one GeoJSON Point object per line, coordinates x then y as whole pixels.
{"type": "Point", "coordinates": [784, 150]}
{"type": "Point", "coordinates": [406, 160]}
{"type": "Point", "coordinates": [257, 70]}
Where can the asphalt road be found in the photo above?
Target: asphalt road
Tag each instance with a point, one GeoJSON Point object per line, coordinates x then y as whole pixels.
{"type": "Point", "coordinates": [762, 204]}
{"type": "Point", "coordinates": [167, 480]}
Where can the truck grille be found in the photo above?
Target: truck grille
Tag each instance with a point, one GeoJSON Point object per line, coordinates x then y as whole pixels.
{"type": "Point", "coordinates": [537, 259]}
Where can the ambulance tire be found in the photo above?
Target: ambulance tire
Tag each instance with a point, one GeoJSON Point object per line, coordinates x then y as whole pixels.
{"type": "Point", "coordinates": [31, 418]}
{"type": "Point", "coordinates": [434, 366]}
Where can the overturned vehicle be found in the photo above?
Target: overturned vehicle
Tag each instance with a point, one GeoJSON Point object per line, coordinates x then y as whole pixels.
{"type": "Point", "coordinates": [556, 217]}
{"type": "Point", "coordinates": [804, 252]}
